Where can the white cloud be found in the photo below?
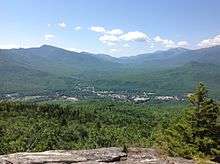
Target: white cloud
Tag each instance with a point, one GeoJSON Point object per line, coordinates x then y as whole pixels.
{"type": "Point", "coordinates": [134, 36]}
{"type": "Point", "coordinates": [115, 32]}
{"type": "Point", "coordinates": [126, 45]}
{"type": "Point", "coordinates": [98, 29]}
{"type": "Point", "coordinates": [77, 28]}
{"type": "Point", "coordinates": [48, 37]}
{"type": "Point", "coordinates": [210, 42]}
{"type": "Point", "coordinates": [108, 39]}
{"type": "Point", "coordinates": [113, 50]}
{"type": "Point", "coordinates": [165, 42]}
{"type": "Point", "coordinates": [110, 43]}
{"type": "Point", "coordinates": [116, 35]}
{"type": "Point", "coordinates": [111, 37]}
{"type": "Point", "coordinates": [62, 24]}
{"type": "Point", "coordinates": [169, 43]}
{"type": "Point", "coordinates": [182, 44]}
{"type": "Point", "coordinates": [48, 25]}
{"type": "Point", "coordinates": [158, 39]}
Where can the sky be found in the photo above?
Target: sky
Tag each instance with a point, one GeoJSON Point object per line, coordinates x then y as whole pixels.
{"type": "Point", "coordinates": [114, 27]}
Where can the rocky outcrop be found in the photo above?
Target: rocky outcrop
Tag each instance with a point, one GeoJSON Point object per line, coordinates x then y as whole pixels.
{"type": "Point", "coordinates": [94, 156]}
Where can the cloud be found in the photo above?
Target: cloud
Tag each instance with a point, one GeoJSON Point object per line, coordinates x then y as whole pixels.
{"type": "Point", "coordinates": [210, 42]}
{"type": "Point", "coordinates": [134, 36]}
{"type": "Point", "coordinates": [182, 44]}
{"type": "Point", "coordinates": [98, 29]}
{"type": "Point", "coordinates": [126, 45]}
{"type": "Point", "coordinates": [116, 35]}
{"type": "Point", "coordinates": [113, 50]}
{"type": "Point", "coordinates": [115, 32]}
{"type": "Point", "coordinates": [48, 37]}
{"type": "Point", "coordinates": [48, 25]}
{"type": "Point", "coordinates": [165, 42]}
{"type": "Point", "coordinates": [62, 24]}
{"type": "Point", "coordinates": [169, 43]}
{"type": "Point", "coordinates": [77, 28]}
{"type": "Point", "coordinates": [110, 43]}
{"type": "Point", "coordinates": [109, 39]}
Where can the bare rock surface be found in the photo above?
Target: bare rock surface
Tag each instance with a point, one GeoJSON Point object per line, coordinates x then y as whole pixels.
{"type": "Point", "coordinates": [93, 156]}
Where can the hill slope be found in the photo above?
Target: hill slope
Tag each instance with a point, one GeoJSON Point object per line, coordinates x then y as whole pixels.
{"type": "Point", "coordinates": [51, 68]}
{"type": "Point", "coordinates": [55, 60]}
{"type": "Point", "coordinates": [172, 81]}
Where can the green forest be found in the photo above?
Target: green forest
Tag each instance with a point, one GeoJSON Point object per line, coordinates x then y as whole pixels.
{"type": "Point", "coordinates": [186, 130]}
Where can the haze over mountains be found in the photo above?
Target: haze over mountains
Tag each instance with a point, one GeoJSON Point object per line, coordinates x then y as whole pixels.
{"type": "Point", "coordinates": [50, 68]}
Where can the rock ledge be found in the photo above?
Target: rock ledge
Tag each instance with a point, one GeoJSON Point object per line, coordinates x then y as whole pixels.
{"type": "Point", "coordinates": [94, 156]}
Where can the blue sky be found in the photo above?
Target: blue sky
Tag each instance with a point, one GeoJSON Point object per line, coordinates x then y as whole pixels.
{"type": "Point", "coordinates": [115, 27]}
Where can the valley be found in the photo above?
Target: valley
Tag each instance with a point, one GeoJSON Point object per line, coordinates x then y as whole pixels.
{"type": "Point", "coordinates": [104, 81]}
{"type": "Point", "coordinates": [90, 93]}
{"type": "Point", "coordinates": [174, 72]}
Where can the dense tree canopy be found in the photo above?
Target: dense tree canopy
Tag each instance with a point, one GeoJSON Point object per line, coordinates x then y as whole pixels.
{"type": "Point", "coordinates": [32, 127]}
{"type": "Point", "coordinates": [178, 130]}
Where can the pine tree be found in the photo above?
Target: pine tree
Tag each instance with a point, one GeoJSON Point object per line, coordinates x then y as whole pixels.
{"type": "Point", "coordinates": [204, 120]}
{"type": "Point", "coordinates": [195, 132]}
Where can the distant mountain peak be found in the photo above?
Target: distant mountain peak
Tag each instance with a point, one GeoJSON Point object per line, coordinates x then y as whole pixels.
{"type": "Point", "coordinates": [84, 52]}
{"type": "Point", "coordinates": [172, 50]}
{"type": "Point", "coordinates": [178, 49]}
{"type": "Point", "coordinates": [47, 46]}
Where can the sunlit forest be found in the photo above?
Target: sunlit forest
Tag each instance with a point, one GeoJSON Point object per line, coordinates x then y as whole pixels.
{"type": "Point", "coordinates": [188, 130]}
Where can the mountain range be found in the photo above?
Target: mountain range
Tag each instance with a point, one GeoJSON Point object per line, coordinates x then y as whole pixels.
{"type": "Point", "coordinates": [48, 68]}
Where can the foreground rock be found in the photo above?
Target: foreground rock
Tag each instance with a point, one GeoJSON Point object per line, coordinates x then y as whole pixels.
{"type": "Point", "coordinates": [94, 156]}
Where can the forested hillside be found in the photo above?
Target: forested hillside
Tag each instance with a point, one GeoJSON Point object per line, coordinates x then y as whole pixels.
{"type": "Point", "coordinates": [48, 68]}
{"type": "Point", "coordinates": [178, 130]}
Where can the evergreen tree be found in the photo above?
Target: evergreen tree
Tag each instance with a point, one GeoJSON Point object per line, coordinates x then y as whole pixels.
{"type": "Point", "coordinates": [204, 120]}
{"type": "Point", "coordinates": [195, 132]}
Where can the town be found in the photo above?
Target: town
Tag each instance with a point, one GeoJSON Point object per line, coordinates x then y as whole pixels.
{"type": "Point", "coordinates": [91, 93]}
